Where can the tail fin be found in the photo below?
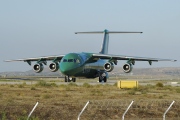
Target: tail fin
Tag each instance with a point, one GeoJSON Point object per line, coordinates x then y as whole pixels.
{"type": "Point", "coordinates": [105, 44]}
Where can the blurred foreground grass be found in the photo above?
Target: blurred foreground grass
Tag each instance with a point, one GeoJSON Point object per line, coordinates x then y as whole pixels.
{"type": "Point", "coordinates": [67, 100]}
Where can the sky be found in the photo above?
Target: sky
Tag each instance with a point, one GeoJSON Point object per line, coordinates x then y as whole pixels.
{"type": "Point", "coordinates": [33, 28]}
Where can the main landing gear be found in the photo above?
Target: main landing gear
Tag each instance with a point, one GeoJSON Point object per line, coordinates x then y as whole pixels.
{"type": "Point", "coordinates": [102, 77]}
{"type": "Point", "coordinates": [69, 79]}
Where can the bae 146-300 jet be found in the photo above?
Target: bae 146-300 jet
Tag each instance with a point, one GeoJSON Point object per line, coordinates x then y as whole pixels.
{"type": "Point", "coordinates": [88, 65]}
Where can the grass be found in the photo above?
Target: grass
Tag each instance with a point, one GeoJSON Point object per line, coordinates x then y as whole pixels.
{"type": "Point", "coordinates": [159, 84]}
{"type": "Point", "coordinates": [45, 84]}
{"type": "Point", "coordinates": [87, 85]}
{"type": "Point", "coordinates": [66, 100]}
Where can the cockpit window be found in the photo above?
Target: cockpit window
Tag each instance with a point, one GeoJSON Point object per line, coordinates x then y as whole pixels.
{"type": "Point", "coordinates": [70, 60]}
{"type": "Point", "coordinates": [76, 61]}
{"type": "Point", "coordinates": [65, 60]}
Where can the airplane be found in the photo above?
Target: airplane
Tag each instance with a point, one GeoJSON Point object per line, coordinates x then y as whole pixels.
{"type": "Point", "coordinates": [88, 65]}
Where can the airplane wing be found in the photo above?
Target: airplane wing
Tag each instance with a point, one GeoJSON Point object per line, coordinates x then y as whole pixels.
{"type": "Point", "coordinates": [130, 59]}
{"type": "Point", "coordinates": [39, 59]}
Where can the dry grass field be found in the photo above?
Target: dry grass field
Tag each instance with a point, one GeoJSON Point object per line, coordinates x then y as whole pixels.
{"type": "Point", "coordinates": [65, 101]}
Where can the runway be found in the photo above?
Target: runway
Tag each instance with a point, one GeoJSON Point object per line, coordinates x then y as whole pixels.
{"type": "Point", "coordinates": [60, 81]}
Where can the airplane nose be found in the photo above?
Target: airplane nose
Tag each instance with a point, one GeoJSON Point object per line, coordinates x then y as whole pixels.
{"type": "Point", "coordinates": [64, 69]}
{"type": "Point", "coordinates": [67, 69]}
{"type": "Point", "coordinates": [70, 64]}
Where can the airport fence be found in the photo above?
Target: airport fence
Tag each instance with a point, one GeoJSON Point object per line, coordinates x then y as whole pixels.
{"type": "Point", "coordinates": [95, 110]}
{"type": "Point", "coordinates": [140, 110]}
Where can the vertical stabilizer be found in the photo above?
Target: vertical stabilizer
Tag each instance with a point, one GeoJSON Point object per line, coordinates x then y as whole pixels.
{"type": "Point", "coordinates": [105, 44]}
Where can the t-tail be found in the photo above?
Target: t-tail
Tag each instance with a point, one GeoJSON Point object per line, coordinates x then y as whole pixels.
{"type": "Point", "coordinates": [105, 44]}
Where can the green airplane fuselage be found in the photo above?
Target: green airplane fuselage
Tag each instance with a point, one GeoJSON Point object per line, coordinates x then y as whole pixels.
{"type": "Point", "coordinates": [78, 65]}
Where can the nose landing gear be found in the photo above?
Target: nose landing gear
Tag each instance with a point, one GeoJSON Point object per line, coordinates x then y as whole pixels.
{"type": "Point", "coordinates": [69, 79]}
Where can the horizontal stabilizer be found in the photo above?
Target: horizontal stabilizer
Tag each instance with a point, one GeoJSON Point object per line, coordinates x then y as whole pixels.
{"type": "Point", "coordinates": [100, 32]}
{"type": "Point", "coordinates": [104, 47]}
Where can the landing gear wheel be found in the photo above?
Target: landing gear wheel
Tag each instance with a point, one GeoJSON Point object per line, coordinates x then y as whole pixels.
{"type": "Point", "coordinates": [100, 80]}
{"type": "Point", "coordinates": [102, 77]}
{"type": "Point", "coordinates": [105, 79]}
{"type": "Point", "coordinates": [69, 79]}
{"type": "Point", "coordinates": [66, 79]}
{"type": "Point", "coordinates": [74, 79]}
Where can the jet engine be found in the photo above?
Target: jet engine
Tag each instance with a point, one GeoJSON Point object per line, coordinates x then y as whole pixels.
{"type": "Point", "coordinates": [108, 67]}
{"type": "Point", "coordinates": [38, 67]}
{"type": "Point", "coordinates": [53, 66]}
{"type": "Point", "coordinates": [127, 68]}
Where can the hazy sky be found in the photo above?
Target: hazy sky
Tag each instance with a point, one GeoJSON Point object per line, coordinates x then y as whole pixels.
{"type": "Point", "coordinates": [33, 28]}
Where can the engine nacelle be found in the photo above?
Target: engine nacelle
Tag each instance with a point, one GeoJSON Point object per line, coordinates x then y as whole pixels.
{"type": "Point", "coordinates": [53, 66]}
{"type": "Point", "coordinates": [38, 67]}
{"type": "Point", "coordinates": [127, 68]}
{"type": "Point", "coordinates": [108, 66]}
